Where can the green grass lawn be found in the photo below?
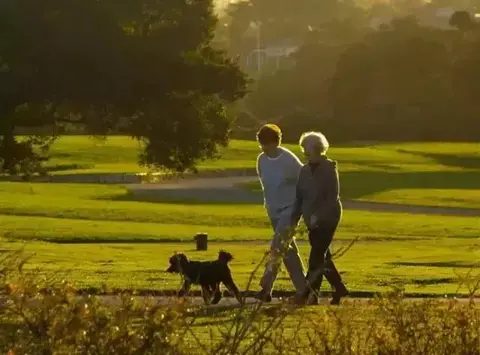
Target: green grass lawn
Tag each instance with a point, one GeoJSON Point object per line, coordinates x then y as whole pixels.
{"type": "Point", "coordinates": [441, 197]}
{"type": "Point", "coordinates": [428, 197]}
{"type": "Point", "coordinates": [77, 154]}
{"type": "Point", "coordinates": [82, 212]}
{"type": "Point", "coordinates": [439, 174]}
{"type": "Point", "coordinates": [419, 250]}
{"type": "Point", "coordinates": [419, 265]}
{"type": "Point", "coordinates": [118, 154]}
{"type": "Point", "coordinates": [98, 235]}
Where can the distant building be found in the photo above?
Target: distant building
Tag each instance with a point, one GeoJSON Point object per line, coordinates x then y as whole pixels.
{"type": "Point", "coordinates": [272, 56]}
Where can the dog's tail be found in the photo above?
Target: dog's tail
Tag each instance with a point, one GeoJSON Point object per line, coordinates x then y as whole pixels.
{"type": "Point", "coordinates": [224, 257]}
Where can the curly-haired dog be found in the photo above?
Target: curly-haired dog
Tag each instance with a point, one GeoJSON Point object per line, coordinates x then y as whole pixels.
{"type": "Point", "coordinates": [208, 274]}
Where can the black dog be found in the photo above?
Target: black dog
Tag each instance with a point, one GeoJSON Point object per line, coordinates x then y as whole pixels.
{"type": "Point", "coordinates": [207, 274]}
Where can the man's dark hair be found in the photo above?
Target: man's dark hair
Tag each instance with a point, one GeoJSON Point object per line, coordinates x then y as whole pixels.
{"type": "Point", "coordinates": [269, 133]}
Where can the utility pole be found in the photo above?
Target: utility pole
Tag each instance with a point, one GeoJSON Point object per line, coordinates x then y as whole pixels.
{"type": "Point", "coordinates": [258, 47]}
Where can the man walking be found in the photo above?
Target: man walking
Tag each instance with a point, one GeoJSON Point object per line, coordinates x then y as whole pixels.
{"type": "Point", "coordinates": [278, 169]}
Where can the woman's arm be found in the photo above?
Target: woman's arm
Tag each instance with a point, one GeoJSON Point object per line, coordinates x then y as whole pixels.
{"type": "Point", "coordinates": [332, 183]}
{"type": "Point", "coordinates": [329, 190]}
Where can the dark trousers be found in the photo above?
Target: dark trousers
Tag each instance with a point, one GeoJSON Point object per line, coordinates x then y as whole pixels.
{"type": "Point", "coordinates": [320, 262]}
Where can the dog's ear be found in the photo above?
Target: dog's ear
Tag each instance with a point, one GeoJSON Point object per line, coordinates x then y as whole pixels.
{"type": "Point", "coordinates": [225, 256]}
{"type": "Point", "coordinates": [182, 257]}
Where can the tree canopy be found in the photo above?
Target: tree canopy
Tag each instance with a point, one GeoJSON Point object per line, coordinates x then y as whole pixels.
{"type": "Point", "coordinates": [281, 20]}
{"type": "Point", "coordinates": [146, 68]}
{"type": "Point", "coordinates": [401, 81]}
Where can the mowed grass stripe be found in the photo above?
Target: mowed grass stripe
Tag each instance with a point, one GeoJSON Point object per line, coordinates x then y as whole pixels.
{"type": "Point", "coordinates": [55, 200]}
{"type": "Point", "coordinates": [370, 227]}
{"type": "Point", "coordinates": [419, 265]}
{"type": "Point", "coordinates": [394, 173]}
{"type": "Point", "coordinates": [99, 205]}
{"type": "Point", "coordinates": [74, 154]}
{"type": "Point", "coordinates": [428, 197]}
{"type": "Point", "coordinates": [441, 189]}
{"type": "Point", "coordinates": [64, 230]}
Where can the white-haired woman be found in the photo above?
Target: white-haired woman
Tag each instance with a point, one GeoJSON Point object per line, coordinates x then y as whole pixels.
{"type": "Point", "coordinates": [318, 201]}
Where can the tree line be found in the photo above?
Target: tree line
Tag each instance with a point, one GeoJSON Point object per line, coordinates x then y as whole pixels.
{"type": "Point", "coordinates": [169, 74]}
{"type": "Point", "coordinates": [402, 80]}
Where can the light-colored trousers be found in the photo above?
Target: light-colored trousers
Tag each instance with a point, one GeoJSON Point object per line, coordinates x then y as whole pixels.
{"type": "Point", "coordinates": [283, 246]}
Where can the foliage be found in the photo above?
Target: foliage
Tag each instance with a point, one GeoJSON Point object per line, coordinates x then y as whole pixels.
{"type": "Point", "coordinates": [41, 317]}
{"type": "Point", "coordinates": [394, 79]}
{"type": "Point", "coordinates": [401, 82]}
{"type": "Point", "coordinates": [282, 20]}
{"type": "Point", "coordinates": [462, 20]}
{"type": "Point", "coordinates": [146, 68]}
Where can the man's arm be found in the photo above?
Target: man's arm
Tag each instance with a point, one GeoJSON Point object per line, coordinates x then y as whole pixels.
{"type": "Point", "coordinates": [297, 208]}
{"type": "Point", "coordinates": [259, 171]}
{"type": "Point", "coordinates": [294, 167]}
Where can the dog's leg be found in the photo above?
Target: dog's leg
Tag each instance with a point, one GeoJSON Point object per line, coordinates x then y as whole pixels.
{"type": "Point", "coordinates": [230, 284]}
{"type": "Point", "coordinates": [186, 287]}
{"type": "Point", "coordinates": [206, 294]}
{"type": "Point", "coordinates": [217, 294]}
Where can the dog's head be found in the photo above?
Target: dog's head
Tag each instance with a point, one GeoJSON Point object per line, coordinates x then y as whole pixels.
{"type": "Point", "coordinates": [224, 256]}
{"type": "Point", "coordinates": [177, 261]}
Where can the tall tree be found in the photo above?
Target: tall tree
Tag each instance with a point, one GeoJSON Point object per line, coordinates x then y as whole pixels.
{"type": "Point", "coordinates": [146, 67]}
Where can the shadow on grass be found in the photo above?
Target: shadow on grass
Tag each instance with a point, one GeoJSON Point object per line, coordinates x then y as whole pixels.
{"type": "Point", "coordinates": [459, 161]}
{"type": "Point", "coordinates": [116, 240]}
{"type": "Point", "coordinates": [354, 185]}
{"type": "Point", "coordinates": [126, 242]}
{"type": "Point", "coordinates": [464, 237]}
{"type": "Point", "coordinates": [416, 282]}
{"type": "Point", "coordinates": [176, 197]}
{"type": "Point", "coordinates": [64, 167]}
{"type": "Point", "coordinates": [448, 264]}
{"type": "Point", "coordinates": [359, 184]}
{"type": "Point", "coordinates": [433, 281]}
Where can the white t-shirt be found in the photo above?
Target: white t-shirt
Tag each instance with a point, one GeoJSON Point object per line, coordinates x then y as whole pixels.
{"type": "Point", "coordinates": [278, 177]}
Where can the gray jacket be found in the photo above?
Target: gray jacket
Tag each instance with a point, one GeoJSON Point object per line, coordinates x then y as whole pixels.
{"type": "Point", "coordinates": [318, 195]}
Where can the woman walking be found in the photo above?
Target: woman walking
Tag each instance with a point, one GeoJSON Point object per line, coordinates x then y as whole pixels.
{"type": "Point", "coordinates": [318, 201]}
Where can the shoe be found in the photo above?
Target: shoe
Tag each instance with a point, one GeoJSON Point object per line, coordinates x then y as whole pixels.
{"type": "Point", "coordinates": [338, 294]}
{"type": "Point", "coordinates": [263, 296]}
{"type": "Point", "coordinates": [299, 299]}
{"type": "Point", "coordinates": [312, 299]}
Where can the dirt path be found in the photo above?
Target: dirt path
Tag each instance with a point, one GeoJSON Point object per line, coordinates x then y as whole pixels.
{"type": "Point", "coordinates": [224, 189]}
{"type": "Point", "coordinates": [219, 186]}
{"type": "Point", "coordinates": [230, 303]}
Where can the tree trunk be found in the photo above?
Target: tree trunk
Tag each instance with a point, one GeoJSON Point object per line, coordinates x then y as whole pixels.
{"type": "Point", "coordinates": [8, 141]}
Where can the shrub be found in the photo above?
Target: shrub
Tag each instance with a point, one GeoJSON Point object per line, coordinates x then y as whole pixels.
{"type": "Point", "coordinates": [41, 316]}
